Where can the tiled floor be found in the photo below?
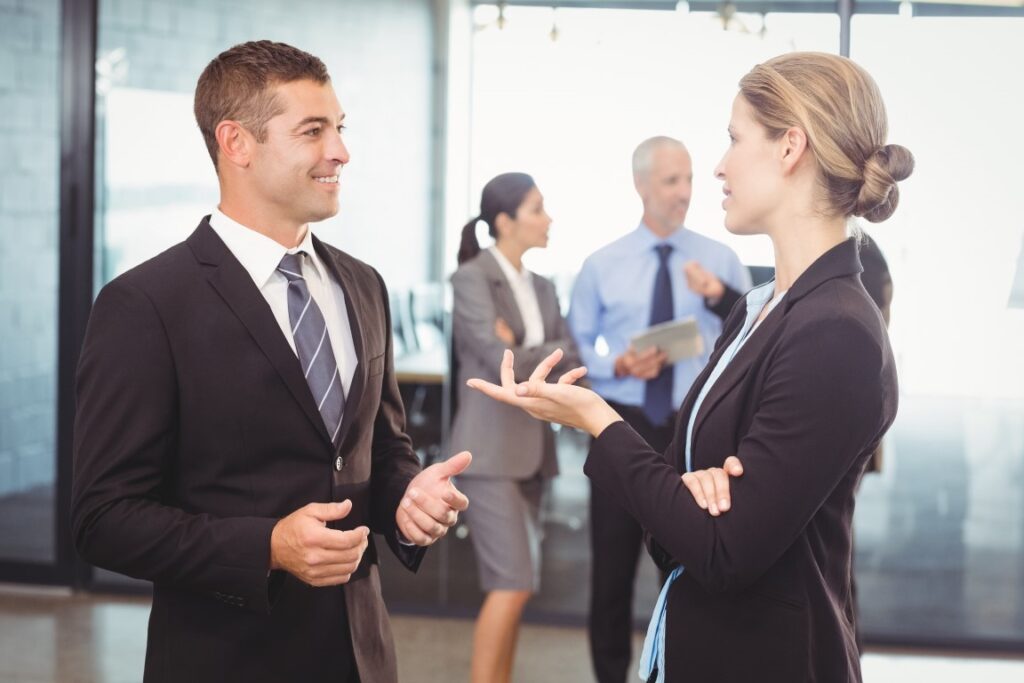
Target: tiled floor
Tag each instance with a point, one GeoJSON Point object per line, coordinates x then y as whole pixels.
{"type": "Point", "coordinates": [54, 636]}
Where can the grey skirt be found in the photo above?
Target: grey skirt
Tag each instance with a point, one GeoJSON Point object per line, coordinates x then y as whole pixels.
{"type": "Point", "coordinates": [504, 526]}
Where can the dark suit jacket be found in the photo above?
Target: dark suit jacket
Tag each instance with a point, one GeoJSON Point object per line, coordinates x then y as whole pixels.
{"type": "Point", "coordinates": [765, 595]}
{"type": "Point", "coordinates": [196, 431]}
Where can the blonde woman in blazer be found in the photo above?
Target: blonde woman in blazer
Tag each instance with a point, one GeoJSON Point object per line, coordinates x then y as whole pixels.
{"type": "Point", "coordinates": [800, 388]}
{"type": "Point", "coordinates": [500, 305]}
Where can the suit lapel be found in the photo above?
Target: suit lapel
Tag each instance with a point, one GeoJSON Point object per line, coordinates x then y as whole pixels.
{"type": "Point", "coordinates": [235, 286]}
{"type": "Point", "coordinates": [548, 317]}
{"type": "Point", "coordinates": [504, 300]}
{"type": "Point", "coordinates": [839, 261]}
{"type": "Point", "coordinates": [348, 282]}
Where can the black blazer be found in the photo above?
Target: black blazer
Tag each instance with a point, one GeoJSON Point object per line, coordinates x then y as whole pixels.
{"type": "Point", "coordinates": [196, 431]}
{"type": "Point", "coordinates": [765, 595]}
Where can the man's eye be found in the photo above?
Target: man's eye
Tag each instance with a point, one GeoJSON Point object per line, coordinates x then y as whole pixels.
{"type": "Point", "coordinates": [341, 128]}
{"type": "Point", "coordinates": [312, 132]}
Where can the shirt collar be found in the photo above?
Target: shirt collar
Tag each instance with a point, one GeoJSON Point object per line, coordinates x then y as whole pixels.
{"type": "Point", "coordinates": [257, 253]}
{"type": "Point", "coordinates": [646, 240]}
{"type": "Point", "coordinates": [507, 267]}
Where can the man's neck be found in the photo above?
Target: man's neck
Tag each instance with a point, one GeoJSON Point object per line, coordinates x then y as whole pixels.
{"type": "Point", "coordinates": [284, 233]}
{"type": "Point", "coordinates": [660, 230]}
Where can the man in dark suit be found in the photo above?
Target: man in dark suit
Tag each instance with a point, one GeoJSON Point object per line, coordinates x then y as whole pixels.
{"type": "Point", "coordinates": [239, 432]}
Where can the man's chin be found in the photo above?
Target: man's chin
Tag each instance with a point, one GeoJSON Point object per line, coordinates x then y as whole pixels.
{"type": "Point", "coordinates": [322, 214]}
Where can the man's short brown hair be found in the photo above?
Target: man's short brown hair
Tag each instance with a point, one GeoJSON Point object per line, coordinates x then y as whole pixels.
{"type": "Point", "coordinates": [238, 86]}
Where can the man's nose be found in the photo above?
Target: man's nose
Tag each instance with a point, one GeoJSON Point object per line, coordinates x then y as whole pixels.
{"type": "Point", "coordinates": [336, 149]}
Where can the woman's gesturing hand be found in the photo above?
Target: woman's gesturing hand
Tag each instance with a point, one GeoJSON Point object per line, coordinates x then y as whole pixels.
{"type": "Point", "coordinates": [560, 402]}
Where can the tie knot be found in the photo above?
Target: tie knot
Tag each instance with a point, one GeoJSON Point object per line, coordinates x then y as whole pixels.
{"type": "Point", "coordinates": [663, 251]}
{"type": "Point", "coordinates": [291, 266]}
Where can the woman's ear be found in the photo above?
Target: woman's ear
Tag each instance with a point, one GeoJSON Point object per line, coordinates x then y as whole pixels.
{"type": "Point", "coordinates": [502, 224]}
{"type": "Point", "coordinates": [792, 147]}
{"type": "Point", "coordinates": [235, 143]}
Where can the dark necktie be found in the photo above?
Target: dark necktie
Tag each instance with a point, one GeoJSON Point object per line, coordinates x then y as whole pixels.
{"type": "Point", "coordinates": [658, 391]}
{"type": "Point", "coordinates": [313, 346]}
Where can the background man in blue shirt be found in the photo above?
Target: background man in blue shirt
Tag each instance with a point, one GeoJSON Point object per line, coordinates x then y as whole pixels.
{"type": "Point", "coordinates": [623, 288]}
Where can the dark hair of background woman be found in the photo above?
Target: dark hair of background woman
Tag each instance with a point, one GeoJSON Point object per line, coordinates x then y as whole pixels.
{"type": "Point", "coordinates": [503, 194]}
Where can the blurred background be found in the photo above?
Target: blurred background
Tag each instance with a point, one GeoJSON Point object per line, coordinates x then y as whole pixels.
{"type": "Point", "coordinates": [102, 167]}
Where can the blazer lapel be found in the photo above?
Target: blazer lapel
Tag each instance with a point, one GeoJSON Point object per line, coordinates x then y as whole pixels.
{"type": "Point", "coordinates": [235, 286]}
{"type": "Point", "coordinates": [504, 300]}
{"type": "Point", "coordinates": [544, 300]}
{"type": "Point", "coordinates": [348, 282]}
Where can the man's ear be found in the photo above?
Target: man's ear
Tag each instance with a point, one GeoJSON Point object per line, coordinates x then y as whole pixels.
{"type": "Point", "coordinates": [235, 143]}
{"type": "Point", "coordinates": [792, 148]}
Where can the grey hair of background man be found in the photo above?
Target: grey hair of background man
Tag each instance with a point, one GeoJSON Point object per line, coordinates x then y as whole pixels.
{"type": "Point", "coordinates": [643, 155]}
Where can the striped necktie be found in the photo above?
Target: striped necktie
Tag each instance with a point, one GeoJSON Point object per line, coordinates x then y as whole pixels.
{"type": "Point", "coordinates": [313, 346]}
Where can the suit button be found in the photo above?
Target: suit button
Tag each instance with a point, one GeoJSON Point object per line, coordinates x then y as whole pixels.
{"type": "Point", "coordinates": [338, 463]}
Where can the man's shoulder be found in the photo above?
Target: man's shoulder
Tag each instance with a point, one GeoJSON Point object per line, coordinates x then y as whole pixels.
{"type": "Point", "coordinates": [711, 246]}
{"type": "Point", "coordinates": [160, 270]}
{"type": "Point", "coordinates": [612, 252]}
{"type": "Point", "coordinates": [360, 269]}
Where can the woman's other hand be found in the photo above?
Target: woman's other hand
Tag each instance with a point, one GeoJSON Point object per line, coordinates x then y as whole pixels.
{"type": "Point", "coordinates": [503, 332]}
{"type": "Point", "coordinates": [710, 487]}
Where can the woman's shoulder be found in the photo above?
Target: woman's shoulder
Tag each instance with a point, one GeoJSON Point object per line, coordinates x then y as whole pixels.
{"type": "Point", "coordinates": [471, 270]}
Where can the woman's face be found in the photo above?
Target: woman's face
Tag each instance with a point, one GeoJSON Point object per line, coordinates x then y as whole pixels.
{"type": "Point", "coordinates": [750, 172]}
{"type": "Point", "coordinates": [529, 228]}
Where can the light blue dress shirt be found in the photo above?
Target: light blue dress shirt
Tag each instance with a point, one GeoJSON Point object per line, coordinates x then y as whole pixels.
{"type": "Point", "coordinates": [653, 654]}
{"type": "Point", "coordinates": [612, 300]}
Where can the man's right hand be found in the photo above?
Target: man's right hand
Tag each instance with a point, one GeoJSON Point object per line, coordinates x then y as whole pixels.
{"type": "Point", "coordinates": [646, 364]}
{"type": "Point", "coordinates": [302, 545]}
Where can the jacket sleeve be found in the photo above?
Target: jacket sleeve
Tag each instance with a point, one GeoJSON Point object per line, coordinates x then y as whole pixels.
{"type": "Point", "coordinates": [473, 320]}
{"type": "Point", "coordinates": [729, 298]}
{"type": "Point", "coordinates": [394, 463]}
{"type": "Point", "coordinates": [124, 445]}
{"type": "Point", "coordinates": [819, 411]}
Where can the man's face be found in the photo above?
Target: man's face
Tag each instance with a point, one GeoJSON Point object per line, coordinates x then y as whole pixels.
{"type": "Point", "coordinates": [666, 188]}
{"type": "Point", "coordinates": [295, 171]}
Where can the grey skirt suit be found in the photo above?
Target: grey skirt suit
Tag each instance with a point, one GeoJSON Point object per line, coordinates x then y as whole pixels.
{"type": "Point", "coordinates": [513, 453]}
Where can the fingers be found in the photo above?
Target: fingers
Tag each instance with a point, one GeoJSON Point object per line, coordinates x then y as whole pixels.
{"type": "Point", "coordinates": [329, 512]}
{"type": "Point", "coordinates": [733, 466]}
{"type": "Point", "coordinates": [430, 517]}
{"type": "Point", "coordinates": [413, 531]}
{"type": "Point", "coordinates": [540, 373]}
{"type": "Point", "coordinates": [692, 484]}
{"type": "Point", "coordinates": [508, 375]}
{"type": "Point", "coordinates": [710, 487]}
{"type": "Point", "coordinates": [456, 464]}
{"type": "Point", "coordinates": [431, 505]}
{"type": "Point", "coordinates": [455, 499]}
{"type": "Point", "coordinates": [721, 482]}
{"type": "Point", "coordinates": [650, 363]}
{"type": "Point", "coordinates": [573, 375]}
{"type": "Point", "coordinates": [490, 390]}
{"type": "Point", "coordinates": [331, 575]}
{"type": "Point", "coordinates": [703, 485]}
{"type": "Point", "coordinates": [336, 539]}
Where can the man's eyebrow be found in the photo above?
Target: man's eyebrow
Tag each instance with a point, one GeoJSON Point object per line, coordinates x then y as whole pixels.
{"type": "Point", "coordinates": [323, 120]}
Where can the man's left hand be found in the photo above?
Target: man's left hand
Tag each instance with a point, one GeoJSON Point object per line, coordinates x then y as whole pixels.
{"type": "Point", "coordinates": [431, 504]}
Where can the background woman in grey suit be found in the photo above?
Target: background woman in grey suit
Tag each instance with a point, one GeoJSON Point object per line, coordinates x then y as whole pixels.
{"type": "Point", "coordinates": [501, 305]}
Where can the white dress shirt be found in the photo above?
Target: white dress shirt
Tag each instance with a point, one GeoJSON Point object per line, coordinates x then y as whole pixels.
{"type": "Point", "coordinates": [521, 282]}
{"type": "Point", "coordinates": [260, 256]}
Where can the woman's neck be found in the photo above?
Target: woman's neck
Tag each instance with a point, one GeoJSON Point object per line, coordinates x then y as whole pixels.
{"type": "Point", "coordinates": [802, 242]}
{"type": "Point", "coordinates": [513, 252]}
